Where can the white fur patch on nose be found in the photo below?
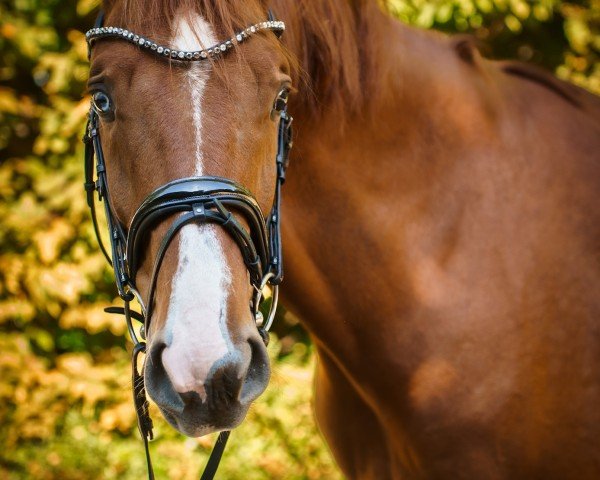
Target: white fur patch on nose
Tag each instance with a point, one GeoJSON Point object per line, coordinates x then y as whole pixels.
{"type": "Point", "coordinates": [196, 331]}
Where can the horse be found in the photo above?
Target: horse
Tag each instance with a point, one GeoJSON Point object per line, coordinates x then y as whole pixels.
{"type": "Point", "coordinates": [439, 224]}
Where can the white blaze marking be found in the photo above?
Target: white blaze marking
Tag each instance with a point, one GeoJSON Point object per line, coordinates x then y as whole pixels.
{"type": "Point", "coordinates": [196, 333]}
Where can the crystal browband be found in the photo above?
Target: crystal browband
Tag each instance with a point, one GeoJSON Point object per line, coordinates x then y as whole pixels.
{"type": "Point", "coordinates": [212, 52]}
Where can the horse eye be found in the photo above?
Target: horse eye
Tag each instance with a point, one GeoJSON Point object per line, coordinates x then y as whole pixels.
{"type": "Point", "coordinates": [102, 103]}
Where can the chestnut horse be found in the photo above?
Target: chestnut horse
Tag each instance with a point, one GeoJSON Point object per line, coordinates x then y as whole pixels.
{"type": "Point", "coordinates": [440, 227]}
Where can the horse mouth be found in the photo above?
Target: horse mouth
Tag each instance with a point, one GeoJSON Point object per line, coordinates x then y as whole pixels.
{"type": "Point", "coordinates": [197, 418]}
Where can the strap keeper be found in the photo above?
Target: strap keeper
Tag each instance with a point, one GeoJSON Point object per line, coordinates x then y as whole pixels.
{"type": "Point", "coordinates": [229, 218]}
{"type": "Point", "coordinates": [254, 264]}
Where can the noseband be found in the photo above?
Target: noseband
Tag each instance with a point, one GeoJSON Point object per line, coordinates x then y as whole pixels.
{"type": "Point", "coordinates": [198, 200]}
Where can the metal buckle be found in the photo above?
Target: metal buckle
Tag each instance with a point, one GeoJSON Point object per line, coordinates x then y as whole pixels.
{"type": "Point", "coordinates": [138, 296]}
{"type": "Point", "coordinates": [258, 298]}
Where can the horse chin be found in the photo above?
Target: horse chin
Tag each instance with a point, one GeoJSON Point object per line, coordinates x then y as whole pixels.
{"type": "Point", "coordinates": [197, 420]}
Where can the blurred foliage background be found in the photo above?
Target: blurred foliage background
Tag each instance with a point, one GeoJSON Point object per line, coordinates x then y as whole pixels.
{"type": "Point", "coordinates": [65, 403]}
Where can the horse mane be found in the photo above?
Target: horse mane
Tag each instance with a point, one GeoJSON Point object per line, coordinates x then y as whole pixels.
{"type": "Point", "coordinates": [327, 41]}
{"type": "Point", "coordinates": [332, 41]}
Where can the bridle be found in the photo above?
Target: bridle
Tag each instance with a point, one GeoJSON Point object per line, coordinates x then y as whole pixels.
{"type": "Point", "coordinates": [204, 199]}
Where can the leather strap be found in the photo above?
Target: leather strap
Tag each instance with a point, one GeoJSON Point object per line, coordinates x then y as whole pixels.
{"type": "Point", "coordinates": [284, 145]}
{"type": "Point", "coordinates": [215, 456]}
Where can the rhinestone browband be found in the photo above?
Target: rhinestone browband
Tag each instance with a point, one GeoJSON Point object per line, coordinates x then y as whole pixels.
{"type": "Point", "coordinates": [214, 51]}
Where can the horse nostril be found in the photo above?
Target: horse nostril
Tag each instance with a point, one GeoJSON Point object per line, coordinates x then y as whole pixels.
{"type": "Point", "coordinates": [158, 384]}
{"type": "Point", "coordinates": [258, 372]}
{"type": "Point", "coordinates": [239, 378]}
{"type": "Point", "coordinates": [225, 383]}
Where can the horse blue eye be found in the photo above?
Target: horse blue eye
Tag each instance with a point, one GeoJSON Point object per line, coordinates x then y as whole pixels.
{"type": "Point", "coordinates": [102, 103]}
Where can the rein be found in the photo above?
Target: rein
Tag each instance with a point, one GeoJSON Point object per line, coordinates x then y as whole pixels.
{"type": "Point", "coordinates": [199, 200]}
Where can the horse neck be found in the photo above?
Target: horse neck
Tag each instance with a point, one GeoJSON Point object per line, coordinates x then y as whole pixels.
{"type": "Point", "coordinates": [357, 170]}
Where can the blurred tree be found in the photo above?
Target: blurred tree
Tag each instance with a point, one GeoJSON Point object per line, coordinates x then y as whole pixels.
{"type": "Point", "coordinates": [560, 36]}
{"type": "Point", "coordinates": [65, 407]}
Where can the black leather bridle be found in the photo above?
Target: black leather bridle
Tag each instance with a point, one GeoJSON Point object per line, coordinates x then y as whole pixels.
{"type": "Point", "coordinates": [203, 199]}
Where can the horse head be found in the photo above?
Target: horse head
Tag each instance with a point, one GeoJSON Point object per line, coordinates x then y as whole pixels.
{"type": "Point", "coordinates": [169, 106]}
